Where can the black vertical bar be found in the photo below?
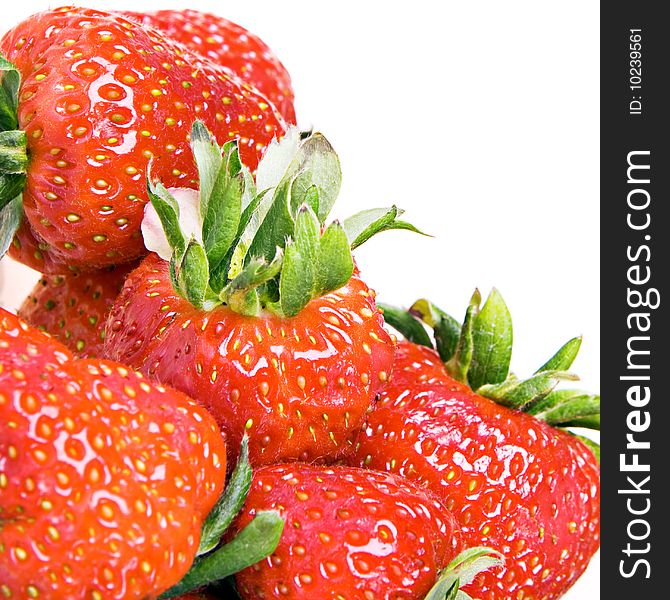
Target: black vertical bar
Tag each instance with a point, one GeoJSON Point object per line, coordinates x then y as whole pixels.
{"type": "Point", "coordinates": [635, 260]}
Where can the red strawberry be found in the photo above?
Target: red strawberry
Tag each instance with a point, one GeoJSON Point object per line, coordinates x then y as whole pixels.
{"type": "Point", "coordinates": [302, 385]}
{"type": "Point", "coordinates": [73, 307]}
{"type": "Point", "coordinates": [100, 96]}
{"type": "Point", "coordinates": [105, 479]}
{"type": "Point", "coordinates": [229, 45]}
{"type": "Point", "coordinates": [513, 482]}
{"type": "Point", "coordinates": [259, 314]}
{"type": "Point", "coordinates": [349, 533]}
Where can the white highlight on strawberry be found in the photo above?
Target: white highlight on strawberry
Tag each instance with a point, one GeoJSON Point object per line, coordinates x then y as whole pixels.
{"type": "Point", "coordinates": [190, 222]}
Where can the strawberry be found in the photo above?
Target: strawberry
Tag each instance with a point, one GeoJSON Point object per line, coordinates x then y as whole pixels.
{"type": "Point", "coordinates": [350, 533]}
{"type": "Point", "coordinates": [91, 97]}
{"type": "Point", "coordinates": [73, 307]}
{"type": "Point", "coordinates": [105, 479]}
{"type": "Point", "coordinates": [229, 45]}
{"type": "Point", "coordinates": [259, 313]}
{"type": "Point", "coordinates": [513, 481]}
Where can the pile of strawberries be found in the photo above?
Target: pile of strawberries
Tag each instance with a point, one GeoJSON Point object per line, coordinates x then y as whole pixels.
{"type": "Point", "coordinates": [202, 396]}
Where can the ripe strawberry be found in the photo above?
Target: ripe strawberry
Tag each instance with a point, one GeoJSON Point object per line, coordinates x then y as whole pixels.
{"type": "Point", "coordinates": [513, 482]}
{"type": "Point", "coordinates": [99, 97]}
{"type": "Point", "coordinates": [229, 45]}
{"type": "Point", "coordinates": [349, 533]}
{"type": "Point", "coordinates": [259, 314]}
{"type": "Point", "coordinates": [105, 479]}
{"type": "Point", "coordinates": [73, 307]}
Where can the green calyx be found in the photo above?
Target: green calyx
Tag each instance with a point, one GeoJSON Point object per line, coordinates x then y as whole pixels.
{"type": "Point", "coordinates": [461, 571]}
{"type": "Point", "coordinates": [267, 249]}
{"type": "Point", "coordinates": [13, 155]}
{"type": "Point", "coordinates": [478, 352]}
{"type": "Point", "coordinates": [215, 561]}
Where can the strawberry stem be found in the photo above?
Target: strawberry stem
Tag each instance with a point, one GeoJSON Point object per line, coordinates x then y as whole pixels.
{"type": "Point", "coordinates": [267, 249]}
{"type": "Point", "coordinates": [479, 353]}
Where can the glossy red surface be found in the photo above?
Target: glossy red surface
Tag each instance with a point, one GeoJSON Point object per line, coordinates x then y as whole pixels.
{"type": "Point", "coordinates": [73, 307]}
{"type": "Point", "coordinates": [348, 531]}
{"type": "Point", "coordinates": [104, 478]}
{"type": "Point", "coordinates": [300, 386]}
{"type": "Point", "coordinates": [100, 97]}
{"type": "Point", "coordinates": [229, 45]}
{"type": "Point", "coordinates": [513, 483]}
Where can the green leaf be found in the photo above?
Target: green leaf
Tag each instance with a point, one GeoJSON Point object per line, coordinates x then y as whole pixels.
{"type": "Point", "coordinates": [469, 563]}
{"type": "Point", "coordinates": [207, 155]}
{"type": "Point", "coordinates": [515, 393]}
{"type": "Point", "coordinates": [13, 164]}
{"type": "Point", "coordinates": [310, 196]}
{"type": "Point", "coordinates": [363, 225]}
{"type": "Point", "coordinates": [222, 218]}
{"type": "Point", "coordinates": [446, 588]}
{"type": "Point", "coordinates": [459, 364]}
{"type": "Point", "coordinates": [246, 302]}
{"type": "Point", "coordinates": [230, 502]}
{"type": "Point", "coordinates": [11, 187]}
{"type": "Point", "coordinates": [249, 187]}
{"type": "Point", "coordinates": [254, 543]}
{"type": "Point", "coordinates": [479, 353]}
{"type": "Point", "coordinates": [298, 275]}
{"type": "Point", "coordinates": [9, 95]}
{"type": "Point", "coordinates": [314, 169]}
{"type": "Point", "coordinates": [335, 265]}
{"type": "Point", "coordinates": [193, 274]}
{"type": "Point", "coordinates": [491, 343]}
{"type": "Point", "coordinates": [252, 217]}
{"type": "Point", "coordinates": [308, 239]}
{"type": "Point", "coordinates": [446, 329]}
{"type": "Point", "coordinates": [590, 422]}
{"type": "Point", "coordinates": [233, 261]}
{"type": "Point", "coordinates": [294, 293]}
{"type": "Point", "coordinates": [462, 570]}
{"type": "Point", "coordinates": [316, 165]}
{"type": "Point", "coordinates": [10, 220]}
{"type": "Point", "coordinates": [167, 209]}
{"type": "Point", "coordinates": [13, 153]}
{"type": "Point", "coordinates": [221, 195]}
{"type": "Point", "coordinates": [238, 293]}
{"type": "Point", "coordinates": [561, 407]}
{"type": "Point", "coordinates": [406, 324]}
{"type": "Point", "coordinates": [563, 359]}
{"type": "Point", "coordinates": [231, 158]}
{"type": "Point", "coordinates": [429, 313]}
{"type": "Point", "coordinates": [277, 226]}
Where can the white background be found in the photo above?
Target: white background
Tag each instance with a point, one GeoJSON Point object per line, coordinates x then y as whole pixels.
{"type": "Point", "coordinates": [481, 119]}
